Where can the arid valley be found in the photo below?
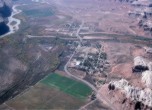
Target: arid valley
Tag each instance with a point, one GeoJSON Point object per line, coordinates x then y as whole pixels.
{"type": "Point", "coordinates": [76, 54]}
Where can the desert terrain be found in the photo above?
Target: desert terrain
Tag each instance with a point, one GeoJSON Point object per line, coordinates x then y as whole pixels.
{"type": "Point", "coordinates": [76, 54]}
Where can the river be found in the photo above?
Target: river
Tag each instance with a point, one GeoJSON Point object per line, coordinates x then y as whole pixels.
{"type": "Point", "coordinates": [13, 23]}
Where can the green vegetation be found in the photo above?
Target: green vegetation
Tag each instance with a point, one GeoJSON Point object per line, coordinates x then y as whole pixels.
{"type": "Point", "coordinates": [42, 97]}
{"type": "Point", "coordinates": [67, 85]}
{"type": "Point", "coordinates": [39, 12]}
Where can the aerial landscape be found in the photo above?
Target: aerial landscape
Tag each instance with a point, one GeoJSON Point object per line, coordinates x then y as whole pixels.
{"type": "Point", "coordinates": [75, 54]}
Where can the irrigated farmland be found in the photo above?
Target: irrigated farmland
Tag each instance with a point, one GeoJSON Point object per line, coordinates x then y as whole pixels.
{"type": "Point", "coordinates": [53, 92]}
{"type": "Point", "coordinates": [67, 85]}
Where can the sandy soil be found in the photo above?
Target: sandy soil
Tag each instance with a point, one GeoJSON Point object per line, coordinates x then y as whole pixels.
{"type": "Point", "coordinates": [116, 97]}
{"type": "Point", "coordinates": [120, 56]}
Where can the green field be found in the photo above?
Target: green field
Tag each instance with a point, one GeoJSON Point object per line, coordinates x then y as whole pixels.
{"type": "Point", "coordinates": [67, 85]}
{"type": "Point", "coordinates": [42, 97]}
{"type": "Point", "coordinates": [39, 12]}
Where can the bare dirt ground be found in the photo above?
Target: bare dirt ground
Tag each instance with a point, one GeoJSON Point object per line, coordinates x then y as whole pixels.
{"type": "Point", "coordinates": [96, 105]}
{"type": "Point", "coordinates": [112, 19]}
{"type": "Point", "coordinates": [116, 98]}
{"type": "Point", "coordinates": [120, 56]}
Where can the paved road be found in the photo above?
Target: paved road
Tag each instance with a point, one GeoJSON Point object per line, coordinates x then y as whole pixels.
{"type": "Point", "coordinates": [31, 36]}
{"type": "Point", "coordinates": [78, 31]}
{"type": "Point", "coordinates": [66, 66]}
{"type": "Point", "coordinates": [83, 107]}
{"type": "Point", "coordinates": [79, 79]}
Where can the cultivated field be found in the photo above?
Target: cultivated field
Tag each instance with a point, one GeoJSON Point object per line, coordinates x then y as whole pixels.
{"type": "Point", "coordinates": [44, 97]}
{"type": "Point", "coordinates": [67, 85]}
{"type": "Point", "coordinates": [54, 92]}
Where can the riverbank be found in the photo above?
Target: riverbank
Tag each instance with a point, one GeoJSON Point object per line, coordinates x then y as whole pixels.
{"type": "Point", "coordinates": [13, 23]}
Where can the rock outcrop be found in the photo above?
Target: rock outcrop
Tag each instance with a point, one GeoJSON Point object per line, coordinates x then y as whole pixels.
{"type": "Point", "coordinates": [135, 94]}
{"type": "Point", "coordinates": [143, 12]}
